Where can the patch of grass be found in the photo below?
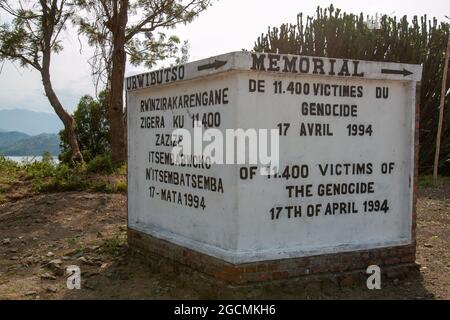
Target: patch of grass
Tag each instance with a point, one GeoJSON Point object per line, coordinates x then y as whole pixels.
{"type": "Point", "coordinates": [9, 174]}
{"type": "Point", "coordinates": [62, 178]}
{"type": "Point", "coordinates": [112, 246]}
{"type": "Point", "coordinates": [121, 186]}
{"type": "Point", "coordinates": [5, 185]}
{"type": "Point", "coordinates": [40, 169]}
{"type": "Point", "coordinates": [122, 170]}
{"type": "Point", "coordinates": [80, 250]}
{"type": "Point", "coordinates": [101, 186]}
{"type": "Point", "coordinates": [71, 241]}
{"type": "Point", "coordinates": [6, 164]}
{"type": "Point", "coordinates": [427, 181]}
{"type": "Point", "coordinates": [9, 171]}
{"type": "Point", "coordinates": [48, 176]}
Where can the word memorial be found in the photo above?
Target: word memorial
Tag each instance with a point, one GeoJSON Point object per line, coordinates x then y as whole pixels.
{"type": "Point", "coordinates": [256, 166]}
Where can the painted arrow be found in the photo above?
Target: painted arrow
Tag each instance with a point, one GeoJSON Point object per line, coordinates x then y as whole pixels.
{"type": "Point", "coordinates": [215, 65]}
{"type": "Point", "coordinates": [404, 72]}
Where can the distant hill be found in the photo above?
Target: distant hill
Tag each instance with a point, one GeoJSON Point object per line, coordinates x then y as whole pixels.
{"type": "Point", "coordinates": [29, 122]}
{"type": "Point", "coordinates": [8, 138]}
{"type": "Point", "coordinates": [31, 146]}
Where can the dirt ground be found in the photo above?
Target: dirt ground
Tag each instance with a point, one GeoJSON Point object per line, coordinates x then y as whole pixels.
{"type": "Point", "coordinates": [40, 236]}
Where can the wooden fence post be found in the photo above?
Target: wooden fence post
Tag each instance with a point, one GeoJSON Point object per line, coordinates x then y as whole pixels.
{"type": "Point", "coordinates": [441, 116]}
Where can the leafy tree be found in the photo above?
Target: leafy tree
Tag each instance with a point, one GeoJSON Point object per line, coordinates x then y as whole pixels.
{"type": "Point", "coordinates": [136, 28]}
{"type": "Point", "coordinates": [91, 128]}
{"type": "Point", "coordinates": [30, 39]}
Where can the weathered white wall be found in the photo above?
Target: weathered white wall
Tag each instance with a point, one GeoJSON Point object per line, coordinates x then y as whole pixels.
{"type": "Point", "coordinates": [215, 226]}
{"type": "Point", "coordinates": [393, 123]}
{"type": "Point", "coordinates": [236, 226]}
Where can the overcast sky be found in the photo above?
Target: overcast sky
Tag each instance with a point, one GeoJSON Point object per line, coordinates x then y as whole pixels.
{"type": "Point", "coordinates": [230, 25]}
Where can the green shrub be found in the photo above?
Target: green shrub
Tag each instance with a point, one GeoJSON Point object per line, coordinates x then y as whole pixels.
{"type": "Point", "coordinates": [112, 246]}
{"type": "Point", "coordinates": [40, 169]}
{"type": "Point", "coordinates": [121, 186]}
{"type": "Point", "coordinates": [64, 178]}
{"type": "Point", "coordinates": [100, 164]}
{"type": "Point", "coordinates": [48, 176]}
{"type": "Point", "coordinates": [428, 181]}
{"type": "Point", "coordinates": [101, 187]}
{"type": "Point", "coordinates": [6, 163]}
{"type": "Point", "coordinates": [7, 167]}
{"type": "Point", "coordinates": [8, 170]}
{"type": "Point", "coordinates": [122, 169]}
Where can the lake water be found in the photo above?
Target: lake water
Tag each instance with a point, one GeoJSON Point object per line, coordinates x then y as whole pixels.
{"type": "Point", "coordinates": [22, 159]}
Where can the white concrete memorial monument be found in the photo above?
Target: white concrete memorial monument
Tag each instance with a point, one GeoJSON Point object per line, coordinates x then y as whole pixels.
{"type": "Point", "coordinates": [292, 156]}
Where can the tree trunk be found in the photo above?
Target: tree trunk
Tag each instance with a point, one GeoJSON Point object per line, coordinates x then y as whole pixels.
{"type": "Point", "coordinates": [119, 58]}
{"type": "Point", "coordinates": [48, 24]}
{"type": "Point", "coordinates": [69, 123]}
